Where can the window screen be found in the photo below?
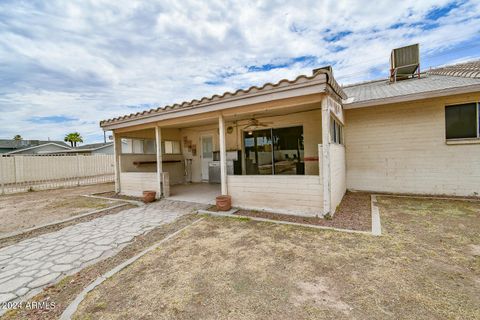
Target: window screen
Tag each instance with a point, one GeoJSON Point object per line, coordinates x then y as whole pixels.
{"type": "Point", "coordinates": [461, 121]}
{"type": "Point", "coordinates": [336, 133]}
{"type": "Point", "coordinates": [171, 147]}
{"type": "Point", "coordinates": [138, 146]}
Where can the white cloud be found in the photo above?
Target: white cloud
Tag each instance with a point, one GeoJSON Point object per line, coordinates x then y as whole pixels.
{"type": "Point", "coordinates": [91, 60]}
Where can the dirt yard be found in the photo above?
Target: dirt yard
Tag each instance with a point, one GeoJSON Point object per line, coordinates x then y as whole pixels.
{"type": "Point", "coordinates": [425, 266]}
{"type": "Point", "coordinates": [26, 210]}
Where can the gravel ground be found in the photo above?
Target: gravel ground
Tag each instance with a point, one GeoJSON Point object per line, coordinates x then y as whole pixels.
{"type": "Point", "coordinates": [354, 213]}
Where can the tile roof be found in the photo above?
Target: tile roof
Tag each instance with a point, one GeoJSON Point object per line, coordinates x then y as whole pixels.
{"type": "Point", "coordinates": [468, 70]}
{"type": "Point", "coordinates": [317, 74]}
{"type": "Point", "coordinates": [435, 80]}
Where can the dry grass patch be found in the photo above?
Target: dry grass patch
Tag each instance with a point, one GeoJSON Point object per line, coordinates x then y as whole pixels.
{"type": "Point", "coordinates": [424, 267]}
{"type": "Point", "coordinates": [27, 210]}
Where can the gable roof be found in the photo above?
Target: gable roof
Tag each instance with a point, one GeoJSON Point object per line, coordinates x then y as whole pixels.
{"type": "Point", "coordinates": [85, 148]}
{"type": "Point", "coordinates": [94, 146]}
{"type": "Point", "coordinates": [39, 146]}
{"type": "Point", "coordinates": [17, 145]}
{"type": "Point", "coordinates": [318, 75]}
{"type": "Point", "coordinates": [442, 81]}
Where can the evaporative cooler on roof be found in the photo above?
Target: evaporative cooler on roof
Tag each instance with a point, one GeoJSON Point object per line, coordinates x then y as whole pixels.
{"type": "Point", "coordinates": [405, 63]}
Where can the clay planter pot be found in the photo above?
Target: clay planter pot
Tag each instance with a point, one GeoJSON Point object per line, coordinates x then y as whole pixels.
{"type": "Point", "coordinates": [149, 196]}
{"type": "Point", "coordinates": [224, 203]}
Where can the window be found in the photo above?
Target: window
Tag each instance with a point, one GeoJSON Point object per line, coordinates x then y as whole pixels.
{"type": "Point", "coordinates": [336, 131]}
{"type": "Point", "coordinates": [171, 147]}
{"type": "Point", "coordinates": [461, 121]}
{"type": "Point", "coordinates": [274, 151]}
{"type": "Point", "coordinates": [138, 146]}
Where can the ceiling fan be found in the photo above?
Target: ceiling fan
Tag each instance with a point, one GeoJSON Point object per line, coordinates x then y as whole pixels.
{"type": "Point", "coordinates": [253, 124]}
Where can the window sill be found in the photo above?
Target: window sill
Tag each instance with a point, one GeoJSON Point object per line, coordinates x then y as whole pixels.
{"type": "Point", "coordinates": [463, 141]}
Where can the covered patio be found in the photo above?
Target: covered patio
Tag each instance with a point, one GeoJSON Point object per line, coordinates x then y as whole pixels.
{"type": "Point", "coordinates": [264, 150]}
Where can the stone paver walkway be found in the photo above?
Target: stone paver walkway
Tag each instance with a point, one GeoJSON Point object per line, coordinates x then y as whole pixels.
{"type": "Point", "coordinates": [30, 265]}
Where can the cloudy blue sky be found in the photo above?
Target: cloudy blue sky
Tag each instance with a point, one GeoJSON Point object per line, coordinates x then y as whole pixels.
{"type": "Point", "coordinates": [66, 65]}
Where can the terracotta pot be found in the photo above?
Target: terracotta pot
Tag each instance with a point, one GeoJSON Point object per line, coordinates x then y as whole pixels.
{"type": "Point", "coordinates": [224, 203]}
{"type": "Point", "coordinates": [149, 196]}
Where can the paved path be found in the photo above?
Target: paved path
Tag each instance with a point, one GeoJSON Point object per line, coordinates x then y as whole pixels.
{"type": "Point", "coordinates": [30, 265]}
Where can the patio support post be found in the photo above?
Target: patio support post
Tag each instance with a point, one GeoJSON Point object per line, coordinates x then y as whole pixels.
{"type": "Point", "coordinates": [117, 147]}
{"type": "Point", "coordinates": [158, 138]}
{"type": "Point", "coordinates": [326, 155]}
{"type": "Point", "coordinates": [223, 155]}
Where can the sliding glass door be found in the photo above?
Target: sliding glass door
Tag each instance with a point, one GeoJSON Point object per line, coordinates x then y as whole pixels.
{"type": "Point", "coordinates": [277, 151]}
{"type": "Point", "coordinates": [258, 152]}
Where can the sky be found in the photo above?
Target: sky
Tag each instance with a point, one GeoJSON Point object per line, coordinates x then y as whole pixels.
{"type": "Point", "coordinates": [66, 65]}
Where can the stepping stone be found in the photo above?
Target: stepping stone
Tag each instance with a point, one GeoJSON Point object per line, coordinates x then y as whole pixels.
{"type": "Point", "coordinates": [62, 267]}
{"type": "Point", "coordinates": [43, 280]}
{"type": "Point", "coordinates": [10, 272]}
{"type": "Point", "coordinates": [11, 249]}
{"type": "Point", "coordinates": [68, 258]}
{"type": "Point", "coordinates": [22, 291]}
{"type": "Point", "coordinates": [14, 284]}
{"type": "Point", "coordinates": [37, 255]}
{"type": "Point", "coordinates": [91, 256]}
{"type": "Point", "coordinates": [105, 241]}
{"type": "Point", "coordinates": [6, 297]}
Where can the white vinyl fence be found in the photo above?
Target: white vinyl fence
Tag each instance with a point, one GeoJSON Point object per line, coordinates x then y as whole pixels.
{"type": "Point", "coordinates": [37, 172]}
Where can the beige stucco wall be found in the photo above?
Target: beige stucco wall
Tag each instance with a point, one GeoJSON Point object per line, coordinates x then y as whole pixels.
{"type": "Point", "coordinates": [401, 148]}
{"type": "Point", "coordinates": [297, 195]}
{"type": "Point", "coordinates": [134, 183]}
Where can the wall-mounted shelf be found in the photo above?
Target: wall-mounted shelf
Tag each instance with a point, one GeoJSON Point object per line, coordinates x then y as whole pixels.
{"type": "Point", "coordinates": [142, 163]}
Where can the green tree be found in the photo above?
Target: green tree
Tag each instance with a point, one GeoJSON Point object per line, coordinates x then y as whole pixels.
{"type": "Point", "coordinates": [17, 137]}
{"type": "Point", "coordinates": [73, 138]}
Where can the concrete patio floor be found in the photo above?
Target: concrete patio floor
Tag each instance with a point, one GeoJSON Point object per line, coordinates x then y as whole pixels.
{"type": "Point", "coordinates": [204, 193]}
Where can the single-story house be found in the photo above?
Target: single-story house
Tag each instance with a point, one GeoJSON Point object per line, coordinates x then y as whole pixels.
{"type": "Point", "coordinates": [40, 147]}
{"type": "Point", "coordinates": [29, 147]}
{"type": "Point", "coordinates": [87, 149]}
{"type": "Point", "coordinates": [296, 146]}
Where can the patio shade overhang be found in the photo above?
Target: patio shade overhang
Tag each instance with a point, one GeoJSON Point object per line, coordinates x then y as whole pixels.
{"type": "Point", "coordinates": [302, 90]}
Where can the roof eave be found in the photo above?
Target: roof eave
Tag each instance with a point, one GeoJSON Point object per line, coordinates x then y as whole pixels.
{"type": "Point", "coordinates": [34, 147]}
{"type": "Point", "coordinates": [412, 97]}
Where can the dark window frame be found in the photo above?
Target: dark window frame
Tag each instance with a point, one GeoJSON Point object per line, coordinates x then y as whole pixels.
{"type": "Point", "coordinates": [336, 131]}
{"type": "Point", "coordinates": [477, 121]}
{"type": "Point", "coordinates": [273, 144]}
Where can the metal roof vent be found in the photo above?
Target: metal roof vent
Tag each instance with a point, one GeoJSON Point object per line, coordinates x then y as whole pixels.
{"type": "Point", "coordinates": [405, 62]}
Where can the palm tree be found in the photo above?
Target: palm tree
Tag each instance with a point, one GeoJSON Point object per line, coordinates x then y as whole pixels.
{"type": "Point", "coordinates": [17, 137]}
{"type": "Point", "coordinates": [73, 138]}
